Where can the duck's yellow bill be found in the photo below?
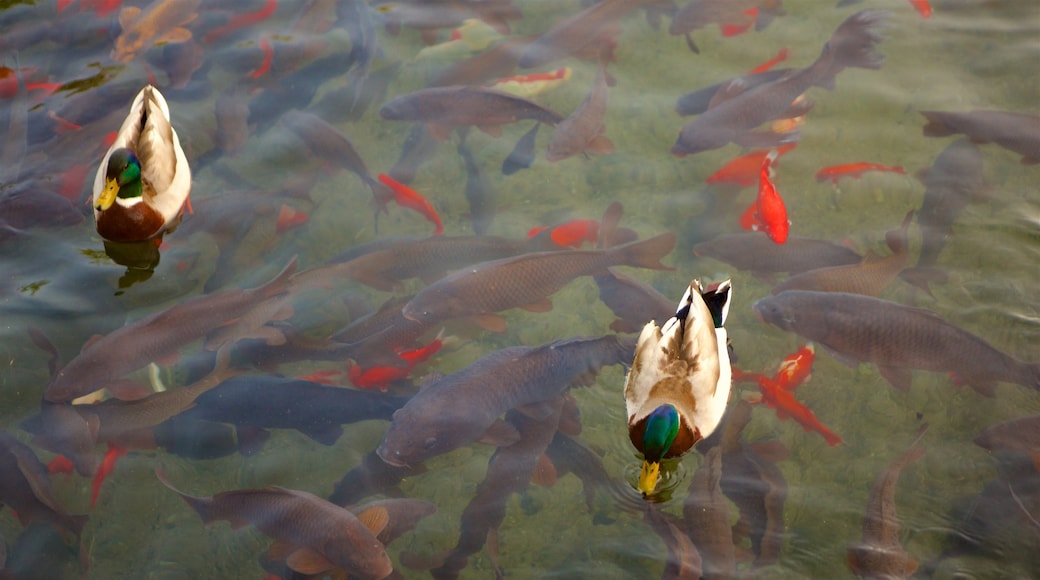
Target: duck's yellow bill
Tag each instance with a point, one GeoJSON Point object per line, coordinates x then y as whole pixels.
{"type": "Point", "coordinates": [108, 195]}
{"type": "Point", "coordinates": [648, 477]}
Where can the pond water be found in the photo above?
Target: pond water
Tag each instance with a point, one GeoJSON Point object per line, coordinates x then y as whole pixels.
{"type": "Point", "coordinates": [955, 515]}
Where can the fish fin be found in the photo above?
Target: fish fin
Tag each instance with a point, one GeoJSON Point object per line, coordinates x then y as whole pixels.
{"type": "Point", "coordinates": [898, 377]}
{"type": "Point", "coordinates": [921, 276]}
{"type": "Point", "coordinates": [90, 341]}
{"type": "Point", "coordinates": [440, 133]}
{"type": "Point", "coordinates": [491, 322]}
{"type": "Point", "coordinates": [543, 305]}
{"type": "Point", "coordinates": [623, 327]}
{"type": "Point", "coordinates": [936, 126]}
{"type": "Point", "coordinates": [307, 561]}
{"type": "Point", "coordinates": [491, 544]}
{"type": "Point", "coordinates": [251, 439]}
{"type": "Point", "coordinates": [324, 434]}
{"type": "Point", "coordinates": [127, 16]}
{"type": "Point", "coordinates": [544, 473]}
{"type": "Point", "coordinates": [493, 130]}
{"type": "Point", "coordinates": [500, 434]}
{"type": "Point", "coordinates": [539, 411]}
{"type": "Point", "coordinates": [799, 108]}
{"type": "Point", "coordinates": [600, 144]}
{"type": "Point", "coordinates": [175, 36]}
{"type": "Point", "coordinates": [691, 44]}
{"type": "Point", "coordinates": [727, 91]}
{"type": "Point", "coordinates": [280, 550]}
{"type": "Point", "coordinates": [375, 519]}
{"type": "Point", "coordinates": [844, 359]}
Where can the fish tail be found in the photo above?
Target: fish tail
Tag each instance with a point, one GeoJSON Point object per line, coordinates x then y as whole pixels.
{"type": "Point", "coordinates": [936, 126]}
{"type": "Point", "coordinates": [852, 45]}
{"type": "Point", "coordinates": [644, 254]}
{"type": "Point", "coordinates": [201, 505]}
{"type": "Point", "coordinates": [279, 283]}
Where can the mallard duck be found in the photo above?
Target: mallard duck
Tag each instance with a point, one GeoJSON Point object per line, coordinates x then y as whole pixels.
{"type": "Point", "coordinates": [144, 179]}
{"type": "Point", "coordinates": [679, 384]}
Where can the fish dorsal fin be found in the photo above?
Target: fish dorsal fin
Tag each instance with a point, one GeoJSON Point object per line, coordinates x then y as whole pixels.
{"type": "Point", "coordinates": [727, 91]}
{"type": "Point", "coordinates": [308, 561]}
{"type": "Point", "coordinates": [375, 519]}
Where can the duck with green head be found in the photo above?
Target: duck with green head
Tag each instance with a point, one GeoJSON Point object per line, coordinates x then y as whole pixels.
{"type": "Point", "coordinates": [144, 179]}
{"type": "Point", "coordinates": [678, 387]}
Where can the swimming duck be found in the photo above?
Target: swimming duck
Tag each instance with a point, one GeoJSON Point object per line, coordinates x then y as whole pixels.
{"type": "Point", "coordinates": [679, 384]}
{"type": "Point", "coordinates": [144, 179]}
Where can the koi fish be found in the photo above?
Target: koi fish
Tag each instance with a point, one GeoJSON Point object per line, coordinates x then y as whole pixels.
{"type": "Point", "coordinates": [26, 487]}
{"type": "Point", "coordinates": [745, 170]}
{"type": "Point", "coordinates": [768, 213]}
{"type": "Point", "coordinates": [879, 554]}
{"type": "Point", "coordinates": [733, 17]}
{"type": "Point", "coordinates": [776, 396]}
{"type": "Point", "coordinates": [405, 196]}
{"type": "Point", "coordinates": [533, 84]}
{"type": "Point", "coordinates": [707, 520]}
{"type": "Point", "coordinates": [923, 8]}
{"type": "Point", "coordinates": [737, 110]}
{"type": "Point", "coordinates": [381, 376]}
{"type": "Point", "coordinates": [265, 64]}
{"type": "Point", "coordinates": [583, 130]}
{"type": "Point", "coordinates": [479, 193]}
{"type": "Point", "coordinates": [895, 337]}
{"type": "Point", "coordinates": [697, 102]}
{"type": "Point", "coordinates": [759, 254]}
{"type": "Point", "coordinates": [796, 368]}
{"type": "Point", "coordinates": [161, 22]}
{"type": "Point", "coordinates": [108, 465]}
{"type": "Point", "coordinates": [781, 56]}
{"type": "Point", "coordinates": [684, 560]}
{"type": "Point", "coordinates": [570, 234]}
{"type": "Point", "coordinates": [854, 171]}
{"type": "Point", "coordinates": [729, 30]}
{"type": "Point", "coordinates": [445, 108]}
{"type": "Point", "coordinates": [1018, 132]}
{"type": "Point", "coordinates": [322, 535]}
{"type": "Point", "coordinates": [522, 156]}
{"type": "Point", "coordinates": [289, 218]}
{"type": "Point", "coordinates": [60, 464]}
{"type": "Point", "coordinates": [632, 301]}
{"type": "Point", "coordinates": [241, 20]}
{"type": "Point", "coordinates": [1021, 435]}
{"type": "Point", "coordinates": [577, 33]}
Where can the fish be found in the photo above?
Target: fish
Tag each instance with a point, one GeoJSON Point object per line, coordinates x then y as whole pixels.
{"type": "Point", "coordinates": [371, 476]}
{"type": "Point", "coordinates": [579, 32]}
{"type": "Point", "coordinates": [433, 422]}
{"type": "Point", "coordinates": [759, 254]}
{"type": "Point", "coordinates": [25, 486]}
{"type": "Point", "coordinates": [954, 180]}
{"type": "Point", "coordinates": [1018, 132]}
{"type": "Point", "coordinates": [319, 535]}
{"type": "Point", "coordinates": [289, 218]}
{"type": "Point", "coordinates": [1020, 435]}
{"type": "Point", "coordinates": [495, 62]}
{"type": "Point", "coordinates": [509, 472]}
{"type": "Point", "coordinates": [746, 169]}
{"type": "Point", "coordinates": [739, 14]}
{"type": "Point", "coordinates": [569, 234]}
{"type": "Point", "coordinates": [108, 465]}
{"type": "Point", "coordinates": [583, 130]}
{"type": "Point", "coordinates": [870, 277]}
{"type": "Point", "coordinates": [160, 22]}
{"type": "Point", "coordinates": [445, 108]}
{"type": "Point", "coordinates": [879, 553]}
{"type": "Point", "coordinates": [522, 156]}
{"type": "Point", "coordinates": [768, 213]}
{"type": "Point", "coordinates": [854, 171]}
{"type": "Point", "coordinates": [706, 518]}
{"type": "Point", "coordinates": [480, 194]}
{"type": "Point", "coordinates": [796, 368]}
{"type": "Point", "coordinates": [780, 57]}
{"type": "Point", "coordinates": [381, 376]}
{"type": "Point", "coordinates": [776, 396]}
{"type": "Point", "coordinates": [525, 281]}
{"type": "Point", "coordinates": [238, 20]}
{"type": "Point", "coordinates": [737, 110]}
{"type": "Point", "coordinates": [696, 102]}
{"type": "Point", "coordinates": [405, 196]}
{"type": "Point", "coordinates": [923, 7]}
{"type": "Point", "coordinates": [634, 302]}
{"type": "Point", "coordinates": [161, 334]}
{"type": "Point", "coordinates": [533, 84]}
{"type": "Point", "coordinates": [417, 148]}
{"type": "Point", "coordinates": [894, 337]}
{"type": "Point", "coordinates": [684, 561]}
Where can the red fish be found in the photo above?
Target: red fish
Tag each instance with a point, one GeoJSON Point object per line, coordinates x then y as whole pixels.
{"type": "Point", "coordinates": [324, 377]}
{"type": "Point", "coordinates": [768, 213]}
{"type": "Point", "coordinates": [744, 170]}
{"type": "Point", "coordinates": [108, 465]}
{"type": "Point", "coordinates": [570, 234]}
{"type": "Point", "coordinates": [777, 397]}
{"type": "Point", "coordinates": [407, 197]}
{"type": "Point", "coordinates": [729, 30]}
{"type": "Point", "coordinates": [289, 218]}
{"type": "Point", "coordinates": [100, 7]}
{"type": "Point", "coordinates": [60, 464]}
{"type": "Point", "coordinates": [796, 368]}
{"type": "Point", "coordinates": [265, 65]}
{"type": "Point", "coordinates": [780, 57]}
{"type": "Point", "coordinates": [854, 170]}
{"type": "Point", "coordinates": [923, 8]}
{"type": "Point", "coordinates": [241, 21]}
{"type": "Point", "coordinates": [381, 376]}
{"type": "Point", "coordinates": [420, 355]}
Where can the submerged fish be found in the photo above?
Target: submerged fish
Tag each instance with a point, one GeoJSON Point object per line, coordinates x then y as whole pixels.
{"type": "Point", "coordinates": [740, 14]}
{"type": "Point", "coordinates": [737, 110]}
{"type": "Point", "coordinates": [161, 22]}
{"type": "Point", "coordinates": [759, 254]}
{"type": "Point", "coordinates": [896, 338]}
{"type": "Point", "coordinates": [1019, 132]}
{"type": "Point", "coordinates": [25, 486]}
{"type": "Point", "coordinates": [706, 518]}
{"type": "Point", "coordinates": [879, 553]}
{"type": "Point", "coordinates": [582, 130]}
{"type": "Point", "coordinates": [577, 33]}
{"type": "Point", "coordinates": [322, 535]}
{"type": "Point", "coordinates": [465, 405]}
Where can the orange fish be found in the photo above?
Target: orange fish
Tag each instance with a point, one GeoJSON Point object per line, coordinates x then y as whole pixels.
{"type": "Point", "coordinates": [854, 170]}
{"type": "Point", "coordinates": [324, 377]}
{"type": "Point", "coordinates": [407, 197]}
{"type": "Point", "coordinates": [60, 464]}
{"type": "Point", "coordinates": [570, 234]}
{"type": "Point", "coordinates": [729, 30]}
{"type": "Point", "coordinates": [241, 21]}
{"type": "Point", "coordinates": [420, 355]}
{"type": "Point", "coordinates": [923, 8]}
{"type": "Point", "coordinates": [768, 213]}
{"type": "Point", "coordinates": [777, 397]}
{"type": "Point", "coordinates": [161, 22]}
{"type": "Point", "coordinates": [289, 218]}
{"type": "Point", "coordinates": [108, 465]}
{"type": "Point", "coordinates": [265, 65]}
{"type": "Point", "coordinates": [796, 368]}
{"type": "Point", "coordinates": [744, 170]}
{"type": "Point", "coordinates": [780, 57]}
{"type": "Point", "coordinates": [381, 376]}
{"type": "Point", "coordinates": [530, 85]}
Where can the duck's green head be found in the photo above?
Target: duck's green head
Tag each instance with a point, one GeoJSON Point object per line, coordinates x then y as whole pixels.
{"type": "Point", "coordinates": [662, 426]}
{"type": "Point", "coordinates": [122, 178]}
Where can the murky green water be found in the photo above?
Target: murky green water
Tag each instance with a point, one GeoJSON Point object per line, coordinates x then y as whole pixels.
{"type": "Point", "coordinates": [967, 55]}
